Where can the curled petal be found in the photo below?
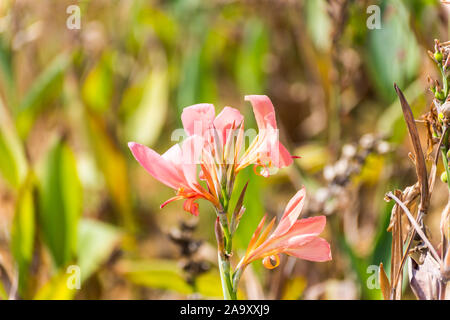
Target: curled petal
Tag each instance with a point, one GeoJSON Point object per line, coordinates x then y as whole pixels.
{"type": "Point", "coordinates": [267, 261]}
{"type": "Point", "coordinates": [191, 206]}
{"type": "Point", "coordinates": [263, 110]}
{"type": "Point", "coordinates": [264, 171]}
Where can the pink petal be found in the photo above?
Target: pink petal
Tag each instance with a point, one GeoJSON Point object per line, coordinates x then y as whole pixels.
{"type": "Point", "coordinates": [158, 166]}
{"type": "Point", "coordinates": [308, 226]}
{"type": "Point", "coordinates": [224, 121]}
{"type": "Point", "coordinates": [291, 213]}
{"type": "Point", "coordinates": [317, 249]}
{"type": "Point", "coordinates": [197, 119]}
{"type": "Point", "coordinates": [285, 158]}
{"type": "Point", "coordinates": [190, 156]}
{"type": "Point", "coordinates": [263, 110]}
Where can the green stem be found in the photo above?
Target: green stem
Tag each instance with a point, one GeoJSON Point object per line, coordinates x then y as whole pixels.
{"type": "Point", "coordinates": [224, 259]}
{"type": "Point", "coordinates": [444, 150]}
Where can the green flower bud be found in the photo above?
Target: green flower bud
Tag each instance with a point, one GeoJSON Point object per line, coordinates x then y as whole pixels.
{"type": "Point", "coordinates": [439, 95]}
{"type": "Point", "coordinates": [438, 56]}
{"type": "Point", "coordinates": [444, 177]}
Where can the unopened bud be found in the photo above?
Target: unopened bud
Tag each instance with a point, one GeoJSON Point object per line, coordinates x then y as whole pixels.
{"type": "Point", "coordinates": [444, 177]}
{"type": "Point", "coordinates": [438, 56]}
{"type": "Point", "coordinates": [219, 235]}
{"type": "Point", "coordinates": [439, 95]}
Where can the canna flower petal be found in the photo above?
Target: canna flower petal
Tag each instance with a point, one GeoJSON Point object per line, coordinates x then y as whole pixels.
{"type": "Point", "coordinates": [266, 121]}
{"type": "Point", "coordinates": [160, 167]}
{"type": "Point", "coordinates": [197, 119]}
{"type": "Point", "coordinates": [263, 110]}
{"type": "Point", "coordinates": [226, 120]}
{"type": "Point", "coordinates": [291, 213]}
{"type": "Point", "coordinates": [317, 249]}
{"type": "Point", "coordinates": [294, 237]}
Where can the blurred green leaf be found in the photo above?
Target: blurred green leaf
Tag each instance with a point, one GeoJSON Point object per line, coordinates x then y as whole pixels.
{"type": "Point", "coordinates": [146, 121]}
{"type": "Point", "coordinates": [22, 234]}
{"type": "Point", "coordinates": [6, 68]}
{"type": "Point", "coordinates": [251, 58]}
{"type": "Point", "coordinates": [159, 274]}
{"type": "Point", "coordinates": [253, 202]}
{"type": "Point", "coordinates": [56, 288]}
{"type": "Point", "coordinates": [98, 87]}
{"type": "Point", "coordinates": [47, 85]}
{"type": "Point", "coordinates": [392, 51]}
{"type": "Point", "coordinates": [112, 164]}
{"type": "Point", "coordinates": [60, 203]}
{"type": "Point", "coordinates": [318, 23]}
{"type": "Point", "coordinates": [96, 241]}
{"type": "Point", "coordinates": [13, 165]}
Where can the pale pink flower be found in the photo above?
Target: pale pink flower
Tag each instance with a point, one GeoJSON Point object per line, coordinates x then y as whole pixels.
{"type": "Point", "coordinates": [298, 238]}
{"type": "Point", "coordinates": [177, 169]}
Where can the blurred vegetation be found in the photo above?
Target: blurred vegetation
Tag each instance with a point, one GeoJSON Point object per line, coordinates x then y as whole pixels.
{"type": "Point", "coordinates": [70, 100]}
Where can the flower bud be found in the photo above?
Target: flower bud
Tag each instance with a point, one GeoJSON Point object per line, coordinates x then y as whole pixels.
{"type": "Point", "coordinates": [439, 95]}
{"type": "Point", "coordinates": [219, 235]}
{"type": "Point", "coordinates": [438, 56]}
{"type": "Point", "coordinates": [444, 177]}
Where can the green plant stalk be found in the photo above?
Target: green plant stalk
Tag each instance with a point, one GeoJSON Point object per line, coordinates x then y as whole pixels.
{"type": "Point", "coordinates": [224, 258]}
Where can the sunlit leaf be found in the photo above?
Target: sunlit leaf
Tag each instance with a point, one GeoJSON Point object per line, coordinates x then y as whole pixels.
{"type": "Point", "coordinates": [145, 123]}
{"type": "Point", "coordinates": [22, 234]}
{"type": "Point", "coordinates": [13, 165]}
{"type": "Point", "coordinates": [96, 241]}
{"type": "Point", "coordinates": [98, 87]}
{"type": "Point", "coordinates": [56, 288]}
{"type": "Point", "coordinates": [158, 274]}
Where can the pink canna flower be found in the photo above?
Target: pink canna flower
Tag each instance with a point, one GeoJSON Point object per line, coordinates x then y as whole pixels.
{"type": "Point", "coordinates": [211, 144]}
{"type": "Point", "coordinates": [265, 150]}
{"type": "Point", "coordinates": [176, 168]}
{"type": "Point", "coordinates": [298, 238]}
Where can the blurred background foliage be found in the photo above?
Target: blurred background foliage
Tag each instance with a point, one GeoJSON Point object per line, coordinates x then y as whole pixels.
{"type": "Point", "coordinates": [70, 100]}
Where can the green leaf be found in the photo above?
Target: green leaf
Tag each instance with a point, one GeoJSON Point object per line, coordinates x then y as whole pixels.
{"type": "Point", "coordinates": [98, 88]}
{"type": "Point", "coordinates": [56, 288]}
{"type": "Point", "coordinates": [96, 241]}
{"type": "Point", "coordinates": [158, 274]}
{"type": "Point", "coordinates": [393, 53]}
{"type": "Point", "coordinates": [111, 162]}
{"type": "Point", "coordinates": [13, 165]}
{"type": "Point", "coordinates": [250, 59]}
{"type": "Point", "coordinates": [60, 203]}
{"type": "Point", "coordinates": [22, 234]}
{"type": "Point", "coordinates": [46, 86]}
{"type": "Point", "coordinates": [146, 121]}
